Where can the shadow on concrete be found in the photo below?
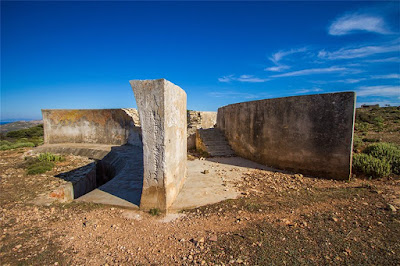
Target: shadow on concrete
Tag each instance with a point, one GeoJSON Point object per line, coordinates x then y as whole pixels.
{"type": "Point", "coordinates": [126, 162]}
{"type": "Point", "coordinates": [116, 179]}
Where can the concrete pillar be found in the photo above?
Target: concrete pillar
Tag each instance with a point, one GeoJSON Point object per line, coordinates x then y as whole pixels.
{"type": "Point", "coordinates": [162, 111]}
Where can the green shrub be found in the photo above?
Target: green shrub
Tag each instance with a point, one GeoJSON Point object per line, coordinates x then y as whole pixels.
{"type": "Point", "coordinates": [6, 145]}
{"type": "Point", "coordinates": [357, 142]}
{"type": "Point", "coordinates": [42, 163]}
{"type": "Point", "coordinates": [37, 141]}
{"type": "Point", "coordinates": [361, 126]}
{"type": "Point", "coordinates": [31, 137]}
{"type": "Point", "coordinates": [49, 157]}
{"type": "Point", "coordinates": [5, 142]}
{"type": "Point", "coordinates": [155, 211]}
{"type": "Point", "coordinates": [365, 117]}
{"type": "Point", "coordinates": [370, 166]}
{"type": "Point", "coordinates": [36, 131]}
{"type": "Point", "coordinates": [386, 151]}
{"type": "Point", "coordinates": [39, 168]}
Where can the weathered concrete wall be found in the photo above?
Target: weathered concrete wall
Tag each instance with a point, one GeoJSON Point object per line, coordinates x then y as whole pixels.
{"type": "Point", "coordinates": [310, 134]}
{"type": "Point", "coordinates": [162, 111]}
{"type": "Point", "coordinates": [196, 120]}
{"type": "Point", "coordinates": [97, 126]}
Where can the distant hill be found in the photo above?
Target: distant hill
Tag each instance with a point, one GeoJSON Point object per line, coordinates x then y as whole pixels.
{"type": "Point", "coordinates": [19, 125]}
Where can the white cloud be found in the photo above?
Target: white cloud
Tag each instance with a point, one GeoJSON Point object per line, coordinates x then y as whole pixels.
{"type": "Point", "coordinates": [278, 56]}
{"type": "Point", "coordinates": [312, 71]}
{"type": "Point", "coordinates": [225, 78]}
{"type": "Point", "coordinates": [388, 76]}
{"type": "Point", "coordinates": [309, 90]}
{"type": "Point", "coordinates": [350, 81]}
{"type": "Point", "coordinates": [384, 91]}
{"type": "Point", "coordinates": [358, 22]}
{"type": "Point", "coordinates": [242, 78]}
{"type": "Point", "coordinates": [278, 68]}
{"type": "Point", "coordinates": [384, 60]}
{"type": "Point", "coordinates": [350, 53]}
{"type": "Point", "coordinates": [234, 94]}
{"type": "Point", "coordinates": [250, 78]}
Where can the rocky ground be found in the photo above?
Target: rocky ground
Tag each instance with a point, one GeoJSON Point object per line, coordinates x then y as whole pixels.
{"type": "Point", "coordinates": [280, 218]}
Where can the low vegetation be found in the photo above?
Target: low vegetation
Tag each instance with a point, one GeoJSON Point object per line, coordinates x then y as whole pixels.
{"type": "Point", "coordinates": [49, 157]}
{"type": "Point", "coordinates": [154, 211]}
{"type": "Point", "coordinates": [42, 163]}
{"type": "Point", "coordinates": [376, 142]}
{"type": "Point", "coordinates": [369, 166]}
{"type": "Point", "coordinates": [31, 137]}
{"type": "Point", "coordinates": [8, 145]}
{"type": "Point", "coordinates": [39, 168]}
{"type": "Point", "coordinates": [377, 125]}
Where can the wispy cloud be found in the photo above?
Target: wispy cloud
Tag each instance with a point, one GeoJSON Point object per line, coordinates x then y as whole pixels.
{"type": "Point", "coordinates": [351, 53]}
{"type": "Point", "coordinates": [242, 78]}
{"type": "Point", "coordinates": [351, 81]}
{"type": "Point", "coordinates": [308, 90]}
{"type": "Point", "coordinates": [225, 78]}
{"type": "Point", "coordinates": [278, 56]}
{"type": "Point", "coordinates": [277, 68]}
{"type": "Point", "coordinates": [384, 60]}
{"type": "Point", "coordinates": [234, 94]}
{"type": "Point", "coordinates": [312, 71]}
{"type": "Point", "coordinates": [384, 91]}
{"type": "Point", "coordinates": [351, 23]}
{"type": "Point", "coordinates": [388, 76]}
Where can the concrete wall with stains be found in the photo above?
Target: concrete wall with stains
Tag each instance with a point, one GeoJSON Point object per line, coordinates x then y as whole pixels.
{"type": "Point", "coordinates": [97, 126]}
{"type": "Point", "coordinates": [310, 134]}
{"type": "Point", "coordinates": [162, 109]}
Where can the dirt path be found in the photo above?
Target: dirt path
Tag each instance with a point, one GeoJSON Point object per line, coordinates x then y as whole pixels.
{"type": "Point", "coordinates": [279, 219]}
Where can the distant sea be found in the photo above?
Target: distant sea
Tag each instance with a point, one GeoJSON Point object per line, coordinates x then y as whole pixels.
{"type": "Point", "coordinates": [3, 123]}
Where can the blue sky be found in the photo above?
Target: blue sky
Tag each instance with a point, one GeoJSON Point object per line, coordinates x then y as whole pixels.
{"type": "Point", "coordinates": [83, 54]}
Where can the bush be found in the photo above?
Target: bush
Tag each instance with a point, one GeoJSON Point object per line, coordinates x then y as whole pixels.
{"type": "Point", "coordinates": [40, 167]}
{"type": "Point", "coordinates": [7, 145]}
{"type": "Point", "coordinates": [36, 131]}
{"type": "Point", "coordinates": [42, 163]}
{"type": "Point", "coordinates": [37, 141]}
{"type": "Point", "coordinates": [361, 126]}
{"type": "Point", "coordinates": [357, 142]}
{"type": "Point", "coordinates": [49, 157]}
{"type": "Point", "coordinates": [155, 211]}
{"type": "Point", "coordinates": [370, 166]}
{"type": "Point", "coordinates": [378, 122]}
{"type": "Point", "coordinates": [386, 151]}
{"type": "Point", "coordinates": [31, 137]}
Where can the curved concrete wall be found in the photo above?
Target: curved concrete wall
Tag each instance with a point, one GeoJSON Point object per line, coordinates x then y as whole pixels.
{"type": "Point", "coordinates": [97, 126]}
{"type": "Point", "coordinates": [311, 134]}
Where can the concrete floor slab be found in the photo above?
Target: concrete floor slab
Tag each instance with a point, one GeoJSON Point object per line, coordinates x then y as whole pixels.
{"type": "Point", "coordinates": [208, 181]}
{"type": "Point", "coordinates": [98, 196]}
{"type": "Point", "coordinates": [217, 185]}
